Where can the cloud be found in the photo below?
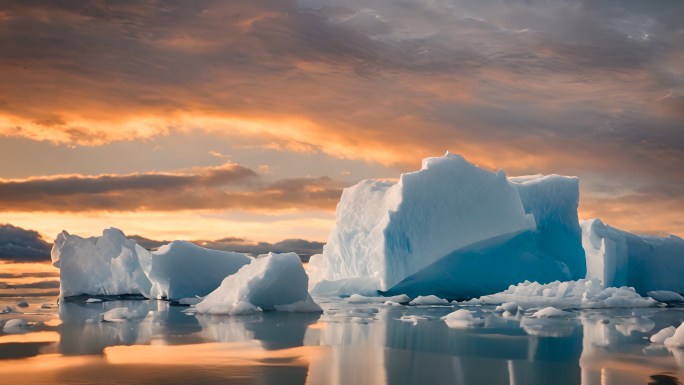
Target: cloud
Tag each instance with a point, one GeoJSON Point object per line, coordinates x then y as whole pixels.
{"type": "Point", "coordinates": [19, 245]}
{"type": "Point", "coordinates": [302, 247]}
{"type": "Point", "coordinates": [228, 187]}
{"type": "Point", "coordinates": [574, 87]}
{"type": "Point", "coordinates": [32, 285]}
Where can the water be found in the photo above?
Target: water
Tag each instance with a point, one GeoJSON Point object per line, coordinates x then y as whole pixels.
{"type": "Point", "coordinates": [348, 344]}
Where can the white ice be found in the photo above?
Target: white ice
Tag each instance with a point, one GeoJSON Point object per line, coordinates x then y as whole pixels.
{"type": "Point", "coordinates": [105, 265]}
{"type": "Point", "coordinates": [580, 294]}
{"type": "Point", "coordinates": [461, 318]}
{"type": "Point", "coordinates": [183, 270]}
{"type": "Point", "coordinates": [428, 300]}
{"type": "Point", "coordinates": [387, 231]}
{"type": "Point", "coordinates": [120, 314]}
{"type": "Point", "coordinates": [550, 312]}
{"type": "Point", "coordinates": [677, 339]}
{"type": "Point", "coordinates": [267, 282]}
{"type": "Point", "coordinates": [663, 334]}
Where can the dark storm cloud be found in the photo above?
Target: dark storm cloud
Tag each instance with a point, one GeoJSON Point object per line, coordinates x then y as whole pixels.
{"type": "Point", "coordinates": [213, 188]}
{"type": "Point", "coordinates": [19, 245]}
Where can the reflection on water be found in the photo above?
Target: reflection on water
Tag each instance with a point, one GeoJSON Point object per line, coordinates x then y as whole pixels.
{"type": "Point", "coordinates": [349, 344]}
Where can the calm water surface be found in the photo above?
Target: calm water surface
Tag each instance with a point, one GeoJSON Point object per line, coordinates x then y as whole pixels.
{"type": "Point", "coordinates": [348, 344]}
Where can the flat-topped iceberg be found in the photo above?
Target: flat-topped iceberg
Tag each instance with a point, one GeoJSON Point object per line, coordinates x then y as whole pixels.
{"type": "Point", "coordinates": [619, 258]}
{"type": "Point", "coordinates": [271, 282]}
{"type": "Point", "coordinates": [182, 269]}
{"type": "Point", "coordinates": [453, 230]}
{"type": "Point", "coordinates": [106, 265]}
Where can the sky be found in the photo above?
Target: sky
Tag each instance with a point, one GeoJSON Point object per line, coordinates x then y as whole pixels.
{"type": "Point", "coordinates": [214, 120]}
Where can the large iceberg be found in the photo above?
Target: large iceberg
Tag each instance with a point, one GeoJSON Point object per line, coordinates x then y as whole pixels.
{"type": "Point", "coordinates": [271, 282]}
{"type": "Point", "coordinates": [619, 258]}
{"type": "Point", "coordinates": [455, 231]}
{"type": "Point", "coordinates": [387, 231]}
{"type": "Point", "coordinates": [106, 265]}
{"type": "Point", "coordinates": [182, 269]}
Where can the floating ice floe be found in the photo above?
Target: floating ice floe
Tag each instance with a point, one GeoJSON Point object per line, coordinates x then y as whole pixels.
{"type": "Point", "coordinates": [677, 338]}
{"type": "Point", "coordinates": [268, 283]}
{"type": "Point", "coordinates": [462, 318]}
{"type": "Point", "coordinates": [663, 334]}
{"type": "Point", "coordinates": [550, 312]}
{"type": "Point", "coordinates": [428, 300]}
{"type": "Point", "coordinates": [358, 298]}
{"type": "Point", "coordinates": [16, 326]}
{"type": "Point", "coordinates": [580, 294]}
{"type": "Point", "coordinates": [120, 314]}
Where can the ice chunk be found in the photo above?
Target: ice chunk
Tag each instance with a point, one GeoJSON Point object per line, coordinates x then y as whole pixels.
{"type": "Point", "coordinates": [358, 298]}
{"type": "Point", "coordinates": [387, 231]}
{"type": "Point", "coordinates": [429, 300]}
{"type": "Point", "coordinates": [665, 296]}
{"type": "Point", "coordinates": [461, 318]}
{"type": "Point", "coordinates": [106, 265]}
{"type": "Point", "coordinates": [182, 269]}
{"type": "Point", "coordinates": [119, 314]}
{"type": "Point", "coordinates": [663, 334]}
{"type": "Point", "coordinates": [510, 307]}
{"type": "Point", "coordinates": [412, 319]}
{"type": "Point", "coordinates": [267, 282]}
{"type": "Point", "coordinates": [677, 339]}
{"type": "Point", "coordinates": [580, 294]}
{"type": "Point", "coordinates": [550, 312]}
{"type": "Point", "coordinates": [16, 326]}
{"type": "Point", "coordinates": [619, 258]}
{"type": "Point", "coordinates": [93, 300]}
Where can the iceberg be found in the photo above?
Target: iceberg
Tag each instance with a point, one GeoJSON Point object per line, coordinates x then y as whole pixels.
{"type": "Point", "coordinates": [387, 231]}
{"type": "Point", "coordinates": [105, 265]}
{"type": "Point", "coordinates": [270, 282]}
{"type": "Point", "coordinates": [452, 230]}
{"type": "Point", "coordinates": [182, 269]}
{"type": "Point", "coordinates": [619, 258]}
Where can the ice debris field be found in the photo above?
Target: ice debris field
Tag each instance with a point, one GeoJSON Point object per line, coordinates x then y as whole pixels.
{"type": "Point", "coordinates": [450, 234]}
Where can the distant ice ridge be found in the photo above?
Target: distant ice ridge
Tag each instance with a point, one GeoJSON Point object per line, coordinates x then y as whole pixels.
{"type": "Point", "coordinates": [271, 282]}
{"type": "Point", "coordinates": [182, 269]}
{"type": "Point", "coordinates": [619, 258]}
{"type": "Point", "coordinates": [106, 265]}
{"type": "Point", "coordinates": [452, 230]}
